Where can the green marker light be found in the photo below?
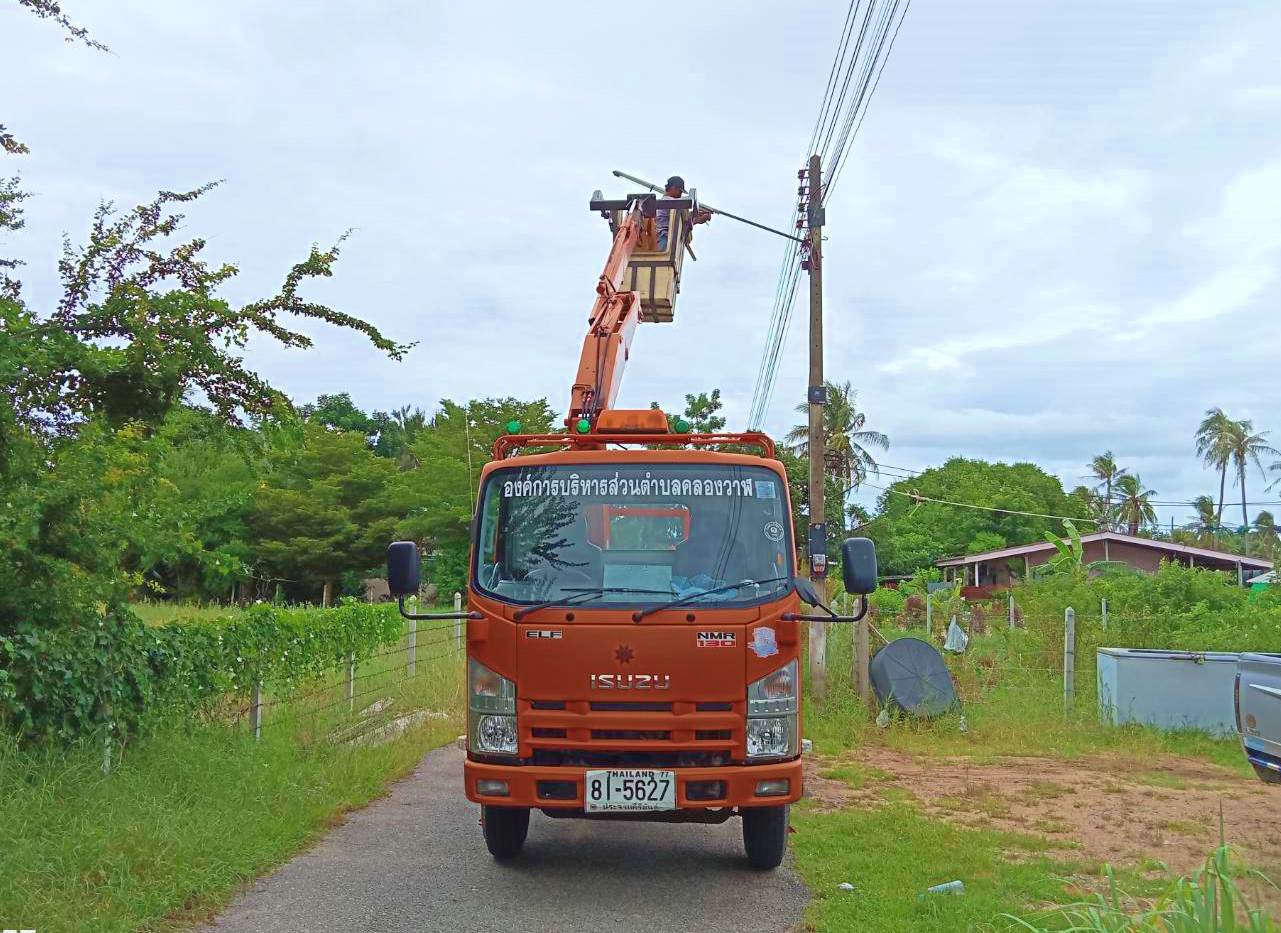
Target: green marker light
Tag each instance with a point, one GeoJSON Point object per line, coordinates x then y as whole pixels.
{"type": "Point", "coordinates": [513, 426]}
{"type": "Point", "coordinates": [682, 426]}
{"type": "Point", "coordinates": [583, 426]}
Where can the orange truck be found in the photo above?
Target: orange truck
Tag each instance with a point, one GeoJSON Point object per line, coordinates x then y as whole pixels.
{"type": "Point", "coordinates": [633, 607]}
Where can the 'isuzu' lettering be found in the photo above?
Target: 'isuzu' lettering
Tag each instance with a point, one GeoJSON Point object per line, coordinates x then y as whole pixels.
{"type": "Point", "coordinates": [631, 681]}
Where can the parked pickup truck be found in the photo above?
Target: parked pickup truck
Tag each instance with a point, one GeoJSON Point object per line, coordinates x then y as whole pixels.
{"type": "Point", "coordinates": [1258, 704]}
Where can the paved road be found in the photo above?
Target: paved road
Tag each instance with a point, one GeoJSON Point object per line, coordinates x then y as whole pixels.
{"type": "Point", "coordinates": [416, 861]}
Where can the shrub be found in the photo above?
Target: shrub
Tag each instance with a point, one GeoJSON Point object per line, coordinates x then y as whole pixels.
{"type": "Point", "coordinates": [118, 674]}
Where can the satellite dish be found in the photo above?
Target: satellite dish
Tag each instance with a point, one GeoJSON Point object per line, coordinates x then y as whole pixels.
{"type": "Point", "coordinates": [910, 673]}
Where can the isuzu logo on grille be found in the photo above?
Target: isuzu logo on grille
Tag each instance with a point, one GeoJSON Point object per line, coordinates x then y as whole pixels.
{"type": "Point", "coordinates": [631, 681]}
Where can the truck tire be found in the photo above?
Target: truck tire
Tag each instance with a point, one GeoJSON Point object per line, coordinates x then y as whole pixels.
{"type": "Point", "coordinates": [1266, 775]}
{"type": "Point", "coordinates": [505, 830]}
{"type": "Point", "coordinates": [765, 835]}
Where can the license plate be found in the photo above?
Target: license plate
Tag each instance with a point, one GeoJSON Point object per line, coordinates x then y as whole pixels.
{"type": "Point", "coordinates": [618, 791]}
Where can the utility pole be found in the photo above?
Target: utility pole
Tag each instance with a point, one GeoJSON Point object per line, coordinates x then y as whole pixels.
{"type": "Point", "coordinates": [817, 397]}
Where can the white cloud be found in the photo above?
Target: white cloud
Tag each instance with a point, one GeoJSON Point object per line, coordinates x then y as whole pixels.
{"type": "Point", "coordinates": [1032, 254]}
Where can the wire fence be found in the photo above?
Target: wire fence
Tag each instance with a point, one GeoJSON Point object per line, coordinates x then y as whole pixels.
{"type": "Point", "coordinates": [417, 673]}
{"type": "Point", "coordinates": [1006, 659]}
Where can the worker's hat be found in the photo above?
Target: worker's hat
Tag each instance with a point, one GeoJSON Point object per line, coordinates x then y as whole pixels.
{"type": "Point", "coordinates": [676, 182]}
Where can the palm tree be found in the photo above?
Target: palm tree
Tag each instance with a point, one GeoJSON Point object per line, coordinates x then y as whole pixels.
{"type": "Point", "coordinates": [1214, 446]}
{"type": "Point", "coordinates": [1265, 527]}
{"type": "Point", "coordinates": [846, 459]}
{"type": "Point", "coordinates": [1206, 525]}
{"type": "Point", "coordinates": [1093, 506]}
{"type": "Point", "coordinates": [1135, 505]}
{"type": "Point", "coordinates": [1104, 469]}
{"type": "Point", "coordinates": [1245, 448]}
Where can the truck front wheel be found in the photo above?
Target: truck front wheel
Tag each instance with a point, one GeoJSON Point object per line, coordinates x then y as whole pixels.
{"type": "Point", "coordinates": [765, 835]}
{"type": "Point", "coordinates": [505, 830]}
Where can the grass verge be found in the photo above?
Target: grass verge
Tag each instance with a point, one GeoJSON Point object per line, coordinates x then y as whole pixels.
{"type": "Point", "coordinates": [190, 813]}
{"type": "Point", "coordinates": [891, 854]}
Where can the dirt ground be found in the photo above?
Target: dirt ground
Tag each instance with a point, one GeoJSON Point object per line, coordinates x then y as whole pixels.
{"type": "Point", "coordinates": [1109, 809]}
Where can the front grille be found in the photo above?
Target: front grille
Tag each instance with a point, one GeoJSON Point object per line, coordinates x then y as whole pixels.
{"type": "Point", "coordinates": [620, 706]}
{"type": "Point", "coordinates": [614, 726]}
{"type": "Point", "coordinates": [592, 758]}
{"type": "Point", "coordinates": [713, 735]}
{"type": "Point", "coordinates": [637, 735]}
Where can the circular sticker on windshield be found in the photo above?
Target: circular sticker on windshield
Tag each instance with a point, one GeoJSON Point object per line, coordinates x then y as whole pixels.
{"type": "Point", "coordinates": [774, 531]}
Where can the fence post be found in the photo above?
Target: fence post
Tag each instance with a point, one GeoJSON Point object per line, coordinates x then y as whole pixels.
{"type": "Point", "coordinates": [929, 612]}
{"type": "Point", "coordinates": [413, 646]}
{"type": "Point", "coordinates": [109, 709]}
{"type": "Point", "coordinates": [255, 711]}
{"type": "Point", "coordinates": [861, 651]}
{"type": "Point", "coordinates": [1069, 659]}
{"type": "Point", "coordinates": [1105, 614]}
{"type": "Point", "coordinates": [458, 623]}
{"type": "Point", "coordinates": [1011, 610]}
{"type": "Point", "coordinates": [818, 658]}
{"type": "Point", "coordinates": [351, 682]}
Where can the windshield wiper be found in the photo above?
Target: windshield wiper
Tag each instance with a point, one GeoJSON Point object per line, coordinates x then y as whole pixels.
{"type": "Point", "coordinates": [581, 593]}
{"type": "Point", "coordinates": [640, 614]}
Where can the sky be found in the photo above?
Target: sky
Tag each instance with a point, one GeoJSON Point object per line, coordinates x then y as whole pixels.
{"type": "Point", "coordinates": [1058, 232]}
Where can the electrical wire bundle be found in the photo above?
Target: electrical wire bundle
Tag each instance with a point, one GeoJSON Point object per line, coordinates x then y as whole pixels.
{"type": "Point", "coordinates": [866, 41]}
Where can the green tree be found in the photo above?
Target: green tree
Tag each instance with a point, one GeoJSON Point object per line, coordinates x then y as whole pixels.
{"type": "Point", "coordinates": [1248, 446]}
{"type": "Point", "coordinates": [1267, 543]}
{"type": "Point", "coordinates": [1105, 472]}
{"type": "Point", "coordinates": [846, 438]}
{"type": "Point", "coordinates": [434, 497]}
{"type": "Point", "coordinates": [1214, 439]}
{"type": "Point", "coordinates": [322, 509]}
{"type": "Point", "coordinates": [338, 412]}
{"type": "Point", "coordinates": [1206, 525]}
{"type": "Point", "coordinates": [205, 478]}
{"type": "Point", "coordinates": [139, 329]}
{"type": "Point", "coordinates": [1092, 506]}
{"type": "Point", "coordinates": [911, 532]}
{"type": "Point", "coordinates": [1134, 508]}
{"type": "Point", "coordinates": [396, 432]}
{"type": "Point", "coordinates": [701, 413]}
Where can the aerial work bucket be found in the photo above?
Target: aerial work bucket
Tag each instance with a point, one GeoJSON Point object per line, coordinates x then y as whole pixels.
{"type": "Point", "coordinates": [652, 272]}
{"type": "Point", "coordinates": [655, 274]}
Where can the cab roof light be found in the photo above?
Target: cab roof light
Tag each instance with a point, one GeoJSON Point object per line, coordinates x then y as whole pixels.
{"type": "Point", "coordinates": [632, 421]}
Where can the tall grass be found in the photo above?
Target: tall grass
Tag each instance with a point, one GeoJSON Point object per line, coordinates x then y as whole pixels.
{"type": "Point", "coordinates": [193, 810]}
{"type": "Point", "coordinates": [1011, 690]}
{"type": "Point", "coordinates": [1209, 901]}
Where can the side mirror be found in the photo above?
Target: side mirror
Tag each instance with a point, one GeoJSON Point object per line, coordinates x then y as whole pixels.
{"type": "Point", "coordinates": [858, 559]}
{"type": "Point", "coordinates": [402, 568]}
{"type": "Point", "coordinates": [805, 590]}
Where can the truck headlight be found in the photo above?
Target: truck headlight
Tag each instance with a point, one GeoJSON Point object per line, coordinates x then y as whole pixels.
{"type": "Point", "coordinates": [772, 727]}
{"type": "Point", "coordinates": [491, 706]}
{"type": "Point", "coordinates": [494, 734]}
{"type": "Point", "coordinates": [771, 737]}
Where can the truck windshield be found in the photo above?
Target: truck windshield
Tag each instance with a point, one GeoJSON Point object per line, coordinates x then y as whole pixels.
{"type": "Point", "coordinates": [638, 534]}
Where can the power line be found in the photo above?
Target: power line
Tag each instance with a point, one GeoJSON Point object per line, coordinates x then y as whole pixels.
{"type": "Point", "coordinates": [917, 497]}
{"type": "Point", "coordinates": [851, 83]}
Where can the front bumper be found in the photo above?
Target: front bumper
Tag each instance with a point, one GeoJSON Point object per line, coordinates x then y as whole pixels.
{"type": "Point", "coordinates": [740, 784]}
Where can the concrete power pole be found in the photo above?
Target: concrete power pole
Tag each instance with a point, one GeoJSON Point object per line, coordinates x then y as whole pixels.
{"type": "Point", "coordinates": [817, 446]}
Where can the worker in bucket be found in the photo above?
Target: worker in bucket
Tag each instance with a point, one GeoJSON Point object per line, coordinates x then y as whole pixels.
{"type": "Point", "coordinates": [675, 188]}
